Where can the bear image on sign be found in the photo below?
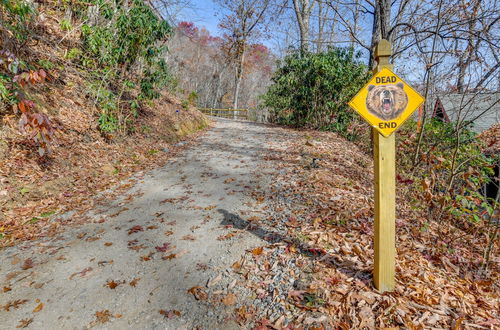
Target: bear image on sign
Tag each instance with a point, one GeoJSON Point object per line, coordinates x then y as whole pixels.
{"type": "Point", "coordinates": [387, 102]}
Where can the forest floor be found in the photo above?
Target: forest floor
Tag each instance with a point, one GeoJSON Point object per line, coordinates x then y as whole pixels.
{"type": "Point", "coordinates": [251, 226]}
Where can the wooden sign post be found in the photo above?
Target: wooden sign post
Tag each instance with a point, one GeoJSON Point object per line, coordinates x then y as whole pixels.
{"type": "Point", "coordinates": [384, 157]}
{"type": "Point", "coordinates": [385, 103]}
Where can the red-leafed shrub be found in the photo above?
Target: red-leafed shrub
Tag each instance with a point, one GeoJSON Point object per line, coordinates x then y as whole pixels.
{"type": "Point", "coordinates": [37, 126]}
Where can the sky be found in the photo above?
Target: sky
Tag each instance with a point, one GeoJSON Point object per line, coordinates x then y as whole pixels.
{"type": "Point", "coordinates": [207, 13]}
{"type": "Point", "coordinates": [203, 14]}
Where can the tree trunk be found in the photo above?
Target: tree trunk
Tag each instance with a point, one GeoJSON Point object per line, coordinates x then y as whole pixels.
{"type": "Point", "coordinates": [321, 25]}
{"type": "Point", "coordinates": [466, 58]}
{"type": "Point", "coordinates": [303, 10]}
{"type": "Point", "coordinates": [238, 76]}
{"type": "Point", "coordinates": [381, 22]}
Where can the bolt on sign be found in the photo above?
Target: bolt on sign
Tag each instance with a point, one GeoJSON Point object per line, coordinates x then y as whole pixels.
{"type": "Point", "coordinates": [386, 101]}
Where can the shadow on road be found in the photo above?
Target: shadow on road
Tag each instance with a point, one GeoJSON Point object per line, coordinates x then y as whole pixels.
{"type": "Point", "coordinates": [330, 260]}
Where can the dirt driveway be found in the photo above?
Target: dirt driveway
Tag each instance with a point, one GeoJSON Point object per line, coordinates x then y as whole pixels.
{"type": "Point", "coordinates": [147, 258]}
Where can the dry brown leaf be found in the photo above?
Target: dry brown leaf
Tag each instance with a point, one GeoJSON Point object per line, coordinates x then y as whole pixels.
{"type": "Point", "coordinates": [133, 283]}
{"type": "Point", "coordinates": [112, 284]}
{"type": "Point", "coordinates": [15, 260]}
{"type": "Point", "coordinates": [24, 323]}
{"type": "Point", "coordinates": [229, 299]}
{"type": "Point", "coordinates": [169, 257]}
{"type": "Point", "coordinates": [81, 273]}
{"type": "Point", "coordinates": [258, 251]}
{"type": "Point", "coordinates": [15, 304]}
{"type": "Point", "coordinates": [198, 293]}
{"type": "Point", "coordinates": [38, 308]}
{"type": "Point", "coordinates": [170, 313]}
{"type": "Point", "coordinates": [189, 238]}
{"type": "Point", "coordinates": [28, 263]}
{"type": "Point", "coordinates": [103, 316]}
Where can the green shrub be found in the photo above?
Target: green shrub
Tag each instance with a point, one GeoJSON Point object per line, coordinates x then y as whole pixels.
{"type": "Point", "coordinates": [15, 16]}
{"type": "Point", "coordinates": [108, 122]}
{"type": "Point", "coordinates": [451, 170]}
{"type": "Point", "coordinates": [46, 64]}
{"type": "Point", "coordinates": [74, 53]}
{"type": "Point", "coordinates": [65, 25]}
{"type": "Point", "coordinates": [192, 97]}
{"type": "Point", "coordinates": [123, 52]}
{"type": "Point", "coordinates": [312, 90]}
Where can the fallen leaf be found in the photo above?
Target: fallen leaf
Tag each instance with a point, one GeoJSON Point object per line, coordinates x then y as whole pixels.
{"type": "Point", "coordinates": [12, 275]}
{"type": "Point", "coordinates": [189, 238]}
{"type": "Point", "coordinates": [198, 293]}
{"type": "Point", "coordinates": [163, 247]}
{"type": "Point", "coordinates": [103, 316]}
{"type": "Point", "coordinates": [15, 260]}
{"type": "Point", "coordinates": [203, 267]}
{"type": "Point", "coordinates": [292, 222]}
{"type": "Point", "coordinates": [227, 236]}
{"type": "Point", "coordinates": [169, 257]}
{"type": "Point", "coordinates": [28, 263]}
{"type": "Point", "coordinates": [258, 251]}
{"type": "Point", "coordinates": [104, 262]}
{"type": "Point", "coordinates": [15, 304]}
{"type": "Point", "coordinates": [169, 232]}
{"type": "Point", "coordinates": [119, 211]}
{"type": "Point", "coordinates": [81, 273]}
{"type": "Point", "coordinates": [146, 257]}
{"type": "Point", "coordinates": [108, 244]}
{"type": "Point", "coordinates": [297, 295]}
{"type": "Point", "coordinates": [134, 282]}
{"type": "Point", "coordinates": [170, 313]}
{"type": "Point", "coordinates": [180, 254]}
{"type": "Point", "coordinates": [24, 323]}
{"type": "Point", "coordinates": [135, 229]}
{"type": "Point", "coordinates": [6, 289]}
{"type": "Point", "coordinates": [38, 308]}
{"type": "Point", "coordinates": [229, 299]}
{"type": "Point", "coordinates": [112, 284]}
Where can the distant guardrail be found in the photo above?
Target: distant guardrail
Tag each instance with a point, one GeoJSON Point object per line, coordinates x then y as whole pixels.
{"type": "Point", "coordinates": [226, 113]}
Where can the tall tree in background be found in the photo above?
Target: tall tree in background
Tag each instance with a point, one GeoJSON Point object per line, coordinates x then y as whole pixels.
{"type": "Point", "coordinates": [245, 20]}
{"type": "Point", "coordinates": [303, 10]}
{"type": "Point", "coordinates": [199, 60]}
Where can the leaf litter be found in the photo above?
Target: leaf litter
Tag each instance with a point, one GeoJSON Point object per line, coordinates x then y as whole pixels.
{"type": "Point", "coordinates": [315, 271]}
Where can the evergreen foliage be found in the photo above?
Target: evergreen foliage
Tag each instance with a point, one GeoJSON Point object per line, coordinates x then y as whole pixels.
{"type": "Point", "coordinates": [124, 49]}
{"type": "Point", "coordinates": [312, 90]}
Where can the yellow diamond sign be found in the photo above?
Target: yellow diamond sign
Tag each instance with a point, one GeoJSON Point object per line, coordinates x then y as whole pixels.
{"type": "Point", "coordinates": [386, 102]}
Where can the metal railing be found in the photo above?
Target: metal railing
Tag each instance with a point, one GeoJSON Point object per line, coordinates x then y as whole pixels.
{"type": "Point", "coordinates": [226, 113]}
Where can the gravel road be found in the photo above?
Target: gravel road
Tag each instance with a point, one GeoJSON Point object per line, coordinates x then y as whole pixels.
{"type": "Point", "coordinates": [133, 265]}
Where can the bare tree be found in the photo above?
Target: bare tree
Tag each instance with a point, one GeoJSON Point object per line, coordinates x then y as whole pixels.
{"type": "Point", "coordinates": [303, 9]}
{"type": "Point", "coordinates": [245, 21]}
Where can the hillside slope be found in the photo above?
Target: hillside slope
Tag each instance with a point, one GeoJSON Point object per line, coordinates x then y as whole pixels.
{"type": "Point", "coordinates": [83, 159]}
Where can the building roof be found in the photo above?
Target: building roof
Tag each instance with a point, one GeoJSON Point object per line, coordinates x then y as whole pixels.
{"type": "Point", "coordinates": [481, 108]}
